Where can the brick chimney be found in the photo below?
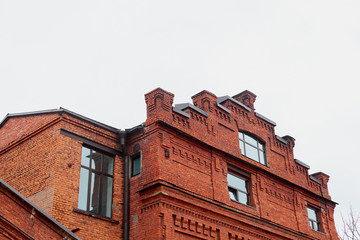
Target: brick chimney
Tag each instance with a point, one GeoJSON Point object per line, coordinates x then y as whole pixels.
{"type": "Point", "coordinates": [247, 98]}
{"type": "Point", "coordinates": [158, 105]}
{"type": "Point", "coordinates": [205, 100]}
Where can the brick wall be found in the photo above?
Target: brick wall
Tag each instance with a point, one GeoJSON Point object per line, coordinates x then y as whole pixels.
{"type": "Point", "coordinates": [44, 165]}
{"type": "Point", "coordinates": [182, 190]}
{"type": "Point", "coordinates": [185, 195]}
{"type": "Point", "coordinates": [20, 219]}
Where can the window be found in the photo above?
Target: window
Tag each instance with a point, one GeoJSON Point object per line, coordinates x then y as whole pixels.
{"type": "Point", "coordinates": [314, 219]}
{"type": "Point", "coordinates": [238, 188]}
{"type": "Point", "coordinates": [135, 165]}
{"type": "Point", "coordinates": [252, 148]}
{"type": "Point", "coordinates": [96, 182]}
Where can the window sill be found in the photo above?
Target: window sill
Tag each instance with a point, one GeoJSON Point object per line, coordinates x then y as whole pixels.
{"type": "Point", "coordinates": [95, 216]}
{"type": "Point", "coordinates": [318, 232]}
{"type": "Point", "coordinates": [242, 204]}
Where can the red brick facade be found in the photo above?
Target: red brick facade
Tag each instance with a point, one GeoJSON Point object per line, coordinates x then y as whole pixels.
{"type": "Point", "coordinates": [182, 191]}
{"type": "Point", "coordinates": [43, 164]}
{"type": "Point", "coordinates": [20, 219]}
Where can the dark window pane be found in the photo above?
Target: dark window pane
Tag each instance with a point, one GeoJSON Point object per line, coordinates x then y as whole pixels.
{"type": "Point", "coordinates": [94, 193]}
{"type": "Point", "coordinates": [83, 189]}
{"type": "Point", "coordinates": [250, 140]}
{"type": "Point", "coordinates": [136, 166]}
{"type": "Point", "coordinates": [232, 193]}
{"type": "Point", "coordinates": [96, 160]}
{"type": "Point", "coordinates": [252, 152]}
{"type": "Point", "coordinates": [108, 165]}
{"type": "Point", "coordinates": [85, 157]}
{"type": "Point", "coordinates": [106, 196]}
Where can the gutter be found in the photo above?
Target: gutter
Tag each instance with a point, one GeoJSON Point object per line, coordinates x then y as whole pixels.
{"type": "Point", "coordinates": [123, 135]}
{"type": "Point", "coordinates": [123, 140]}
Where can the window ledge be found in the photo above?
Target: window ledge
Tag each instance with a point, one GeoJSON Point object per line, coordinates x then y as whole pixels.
{"type": "Point", "coordinates": [259, 163]}
{"type": "Point", "coordinates": [319, 232]}
{"type": "Point", "coordinates": [95, 216]}
{"type": "Point", "coordinates": [243, 204]}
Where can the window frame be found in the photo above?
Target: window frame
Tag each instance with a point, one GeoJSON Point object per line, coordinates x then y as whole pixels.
{"type": "Point", "coordinates": [101, 189]}
{"type": "Point", "coordinates": [260, 147]}
{"type": "Point", "coordinates": [246, 178]}
{"type": "Point", "coordinates": [132, 168]}
{"type": "Point", "coordinates": [314, 222]}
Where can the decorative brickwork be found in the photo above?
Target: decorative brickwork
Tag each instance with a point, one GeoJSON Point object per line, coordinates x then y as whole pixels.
{"type": "Point", "coordinates": [181, 190]}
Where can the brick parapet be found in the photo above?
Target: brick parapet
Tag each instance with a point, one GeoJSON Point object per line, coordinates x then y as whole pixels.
{"type": "Point", "coordinates": [182, 190]}
{"type": "Point", "coordinates": [199, 170]}
{"type": "Point", "coordinates": [220, 130]}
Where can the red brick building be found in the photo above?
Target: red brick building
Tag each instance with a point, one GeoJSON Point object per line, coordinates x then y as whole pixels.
{"type": "Point", "coordinates": [21, 219]}
{"type": "Point", "coordinates": [214, 169]}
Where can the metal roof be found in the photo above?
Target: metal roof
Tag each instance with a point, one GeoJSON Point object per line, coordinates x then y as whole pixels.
{"type": "Point", "coordinates": [59, 111]}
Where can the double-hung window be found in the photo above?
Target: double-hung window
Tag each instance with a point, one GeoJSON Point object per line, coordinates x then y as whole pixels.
{"type": "Point", "coordinates": [238, 186]}
{"type": "Point", "coordinates": [314, 219]}
{"type": "Point", "coordinates": [252, 147]}
{"type": "Point", "coordinates": [96, 182]}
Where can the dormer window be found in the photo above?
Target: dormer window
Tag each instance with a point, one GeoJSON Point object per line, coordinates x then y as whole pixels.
{"type": "Point", "coordinates": [252, 147]}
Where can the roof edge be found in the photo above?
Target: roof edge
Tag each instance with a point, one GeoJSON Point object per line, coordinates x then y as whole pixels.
{"type": "Point", "coordinates": [224, 98]}
{"type": "Point", "coordinates": [265, 119]}
{"type": "Point", "coordinates": [100, 124]}
{"type": "Point", "coordinates": [183, 106]}
{"type": "Point", "coordinates": [6, 185]}
{"type": "Point", "coordinates": [302, 163]}
{"type": "Point", "coordinates": [59, 111]}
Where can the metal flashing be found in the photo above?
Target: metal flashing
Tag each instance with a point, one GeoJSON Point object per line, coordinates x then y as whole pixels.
{"type": "Point", "coordinates": [25, 114]}
{"type": "Point", "coordinates": [220, 100]}
{"type": "Point", "coordinates": [136, 128]}
{"type": "Point", "coordinates": [302, 163]}
{"type": "Point", "coordinates": [60, 110]}
{"type": "Point", "coordinates": [183, 106]}
{"type": "Point", "coordinates": [281, 139]}
{"type": "Point", "coordinates": [314, 179]}
{"type": "Point", "coordinates": [2, 182]}
{"type": "Point", "coordinates": [179, 111]}
{"type": "Point", "coordinates": [265, 119]}
{"type": "Point", "coordinates": [102, 125]}
{"type": "Point", "coordinates": [224, 98]}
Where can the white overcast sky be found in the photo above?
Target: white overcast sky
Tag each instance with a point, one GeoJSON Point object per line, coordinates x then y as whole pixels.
{"type": "Point", "coordinates": [99, 58]}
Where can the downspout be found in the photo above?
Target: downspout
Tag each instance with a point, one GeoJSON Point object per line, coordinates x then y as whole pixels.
{"type": "Point", "coordinates": [126, 184]}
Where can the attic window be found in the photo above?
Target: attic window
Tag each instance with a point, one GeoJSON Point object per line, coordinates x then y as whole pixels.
{"type": "Point", "coordinates": [252, 147]}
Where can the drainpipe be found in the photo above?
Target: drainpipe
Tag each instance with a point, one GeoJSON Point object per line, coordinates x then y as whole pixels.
{"type": "Point", "coordinates": [126, 184]}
